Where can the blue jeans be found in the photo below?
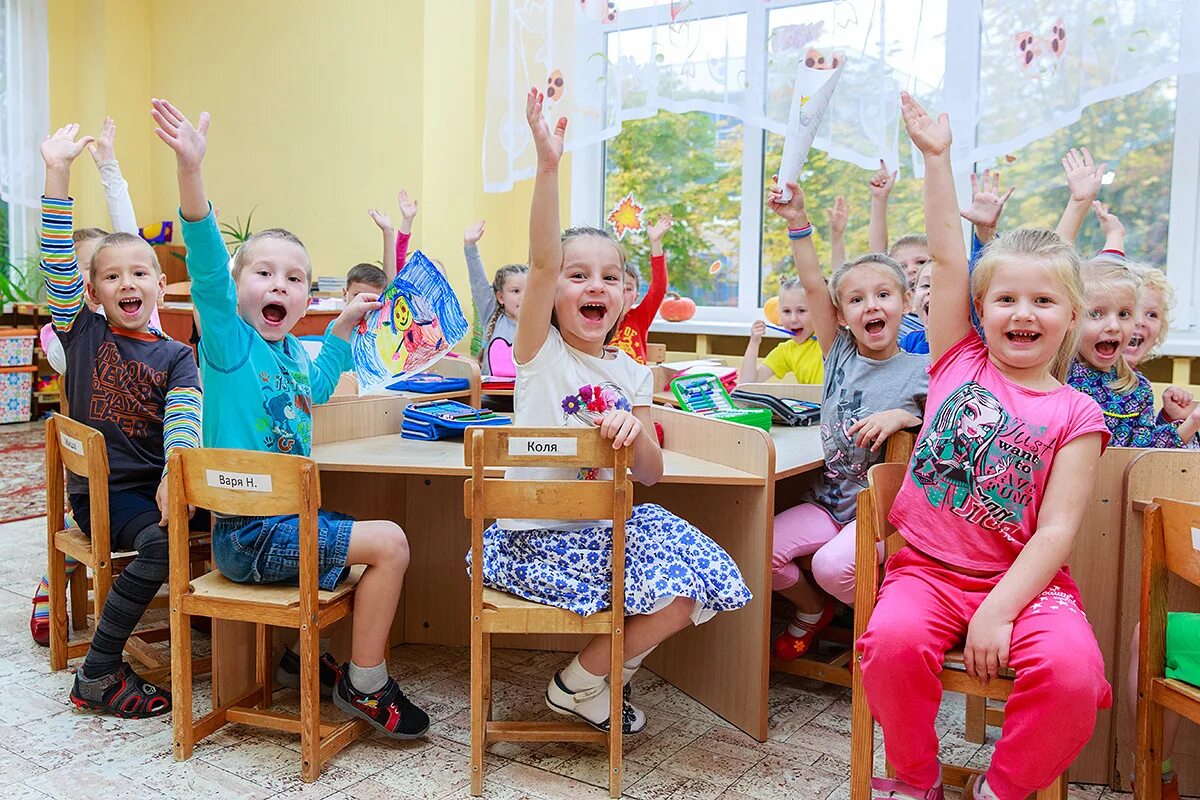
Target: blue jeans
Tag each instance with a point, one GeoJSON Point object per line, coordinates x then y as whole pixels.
{"type": "Point", "coordinates": [267, 549]}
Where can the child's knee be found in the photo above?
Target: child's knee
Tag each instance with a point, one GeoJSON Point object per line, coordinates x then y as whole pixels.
{"type": "Point", "coordinates": [894, 647]}
{"type": "Point", "coordinates": [679, 612]}
{"type": "Point", "coordinates": [834, 573]}
{"type": "Point", "coordinates": [386, 542]}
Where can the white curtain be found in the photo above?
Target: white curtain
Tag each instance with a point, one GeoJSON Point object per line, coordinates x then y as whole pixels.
{"type": "Point", "coordinates": [24, 117]}
{"type": "Point", "coordinates": [602, 62]}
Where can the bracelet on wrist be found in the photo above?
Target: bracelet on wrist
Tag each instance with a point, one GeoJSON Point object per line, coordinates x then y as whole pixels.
{"type": "Point", "coordinates": [800, 233]}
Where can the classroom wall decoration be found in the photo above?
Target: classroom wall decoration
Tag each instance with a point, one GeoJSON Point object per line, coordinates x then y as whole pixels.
{"type": "Point", "coordinates": [419, 323]}
{"type": "Point", "coordinates": [1012, 71]}
{"type": "Point", "coordinates": [627, 216]}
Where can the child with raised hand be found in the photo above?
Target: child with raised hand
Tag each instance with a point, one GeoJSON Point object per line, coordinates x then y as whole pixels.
{"type": "Point", "coordinates": [567, 377]}
{"type": "Point", "coordinates": [799, 355]}
{"type": "Point", "coordinates": [1084, 179]}
{"type": "Point", "coordinates": [1101, 370]}
{"type": "Point", "coordinates": [1113, 230]}
{"type": "Point", "coordinates": [871, 390]}
{"type": "Point", "coordinates": [880, 186]}
{"type": "Point", "coordinates": [635, 323]}
{"type": "Point", "coordinates": [497, 303]}
{"type": "Point", "coordinates": [141, 391]}
{"type": "Point", "coordinates": [261, 386]}
{"type": "Point", "coordinates": [990, 508]}
{"type": "Point", "coordinates": [408, 212]}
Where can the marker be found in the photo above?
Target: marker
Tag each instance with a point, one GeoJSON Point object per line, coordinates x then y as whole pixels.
{"type": "Point", "coordinates": [781, 330]}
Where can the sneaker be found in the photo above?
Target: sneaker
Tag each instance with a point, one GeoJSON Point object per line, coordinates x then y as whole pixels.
{"type": "Point", "coordinates": [388, 710]}
{"type": "Point", "coordinates": [122, 694]}
{"type": "Point", "coordinates": [892, 788]}
{"type": "Point", "coordinates": [39, 626]}
{"type": "Point", "coordinates": [287, 673]}
{"type": "Point", "coordinates": [562, 700]}
{"type": "Point", "coordinates": [789, 647]}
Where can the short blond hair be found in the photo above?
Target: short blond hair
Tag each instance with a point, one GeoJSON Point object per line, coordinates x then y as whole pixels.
{"type": "Point", "coordinates": [1155, 279]}
{"type": "Point", "coordinates": [120, 239]}
{"type": "Point", "coordinates": [242, 257]}
{"type": "Point", "coordinates": [1106, 276]}
{"type": "Point", "coordinates": [1049, 249]}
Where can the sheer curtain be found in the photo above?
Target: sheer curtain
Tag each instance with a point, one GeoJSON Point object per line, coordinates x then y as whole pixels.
{"type": "Point", "coordinates": [24, 117]}
{"type": "Point", "coordinates": [1008, 71]}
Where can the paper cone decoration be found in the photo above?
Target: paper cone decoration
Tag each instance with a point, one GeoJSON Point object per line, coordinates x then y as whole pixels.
{"type": "Point", "coordinates": [810, 98]}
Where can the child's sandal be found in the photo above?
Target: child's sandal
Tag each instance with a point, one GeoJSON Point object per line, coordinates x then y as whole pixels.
{"type": "Point", "coordinates": [789, 647]}
{"type": "Point", "coordinates": [894, 788]}
{"type": "Point", "coordinates": [124, 695]}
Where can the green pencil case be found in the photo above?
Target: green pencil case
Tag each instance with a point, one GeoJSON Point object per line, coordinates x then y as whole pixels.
{"type": "Point", "coordinates": [705, 395]}
{"type": "Point", "coordinates": [1183, 647]}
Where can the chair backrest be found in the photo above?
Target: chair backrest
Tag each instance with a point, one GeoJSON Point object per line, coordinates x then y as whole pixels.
{"type": "Point", "coordinates": [872, 526]}
{"type": "Point", "coordinates": [900, 447]}
{"type": "Point", "coordinates": [245, 483]}
{"type": "Point", "coordinates": [1181, 537]}
{"type": "Point", "coordinates": [80, 448]}
{"type": "Point", "coordinates": [494, 498]}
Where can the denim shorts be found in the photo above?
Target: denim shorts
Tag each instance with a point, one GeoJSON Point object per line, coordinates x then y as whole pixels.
{"type": "Point", "coordinates": [267, 549]}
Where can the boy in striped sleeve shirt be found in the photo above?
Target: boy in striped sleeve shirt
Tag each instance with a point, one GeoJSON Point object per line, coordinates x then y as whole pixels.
{"type": "Point", "coordinates": [141, 390]}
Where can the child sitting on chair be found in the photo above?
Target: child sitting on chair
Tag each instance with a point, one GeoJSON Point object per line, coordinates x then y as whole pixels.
{"type": "Point", "coordinates": [141, 391]}
{"type": "Point", "coordinates": [261, 389]}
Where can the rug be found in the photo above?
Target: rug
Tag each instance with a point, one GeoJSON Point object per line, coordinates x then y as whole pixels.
{"type": "Point", "coordinates": [23, 475]}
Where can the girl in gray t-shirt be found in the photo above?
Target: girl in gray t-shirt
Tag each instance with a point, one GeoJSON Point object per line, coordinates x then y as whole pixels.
{"type": "Point", "coordinates": [872, 390]}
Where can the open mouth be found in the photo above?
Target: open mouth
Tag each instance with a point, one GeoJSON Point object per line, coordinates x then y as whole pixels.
{"type": "Point", "coordinates": [274, 313]}
{"type": "Point", "coordinates": [1107, 348]}
{"type": "Point", "coordinates": [1023, 337]}
{"type": "Point", "coordinates": [593, 312]}
{"type": "Point", "coordinates": [130, 306]}
{"type": "Point", "coordinates": [1135, 342]}
{"type": "Point", "coordinates": [875, 327]}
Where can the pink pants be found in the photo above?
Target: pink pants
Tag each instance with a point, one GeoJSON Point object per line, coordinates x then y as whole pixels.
{"type": "Point", "coordinates": [923, 611]}
{"type": "Point", "coordinates": [808, 529]}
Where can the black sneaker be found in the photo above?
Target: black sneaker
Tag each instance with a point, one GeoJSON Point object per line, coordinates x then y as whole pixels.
{"type": "Point", "coordinates": [122, 694]}
{"type": "Point", "coordinates": [287, 674]}
{"type": "Point", "coordinates": [562, 700]}
{"type": "Point", "coordinates": [388, 710]}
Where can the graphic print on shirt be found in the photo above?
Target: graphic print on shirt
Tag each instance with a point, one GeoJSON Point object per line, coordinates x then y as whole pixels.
{"type": "Point", "coordinates": [288, 406]}
{"type": "Point", "coordinates": [123, 392]}
{"type": "Point", "coordinates": [624, 340]}
{"type": "Point", "coordinates": [978, 462]}
{"type": "Point", "coordinates": [588, 405]}
{"type": "Point", "coordinates": [844, 460]}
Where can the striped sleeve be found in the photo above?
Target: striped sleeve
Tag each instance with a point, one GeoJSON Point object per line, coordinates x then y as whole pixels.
{"type": "Point", "coordinates": [60, 270]}
{"type": "Point", "coordinates": [181, 420]}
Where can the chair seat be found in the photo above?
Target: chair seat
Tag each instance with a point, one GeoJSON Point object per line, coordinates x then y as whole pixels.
{"type": "Point", "coordinates": [78, 545]}
{"type": "Point", "coordinates": [956, 658]}
{"type": "Point", "coordinates": [1181, 697]}
{"type": "Point", "coordinates": [506, 613]}
{"type": "Point", "coordinates": [215, 586]}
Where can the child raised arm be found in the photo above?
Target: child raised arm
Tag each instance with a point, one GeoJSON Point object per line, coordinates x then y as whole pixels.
{"type": "Point", "coordinates": [408, 212]}
{"type": "Point", "coordinates": [808, 267]}
{"type": "Point", "coordinates": [986, 204]}
{"type": "Point", "coordinates": [60, 269]}
{"type": "Point", "coordinates": [388, 230]}
{"type": "Point", "coordinates": [881, 188]}
{"type": "Point", "coordinates": [1111, 227]}
{"type": "Point", "coordinates": [839, 216]}
{"type": "Point", "coordinates": [1084, 179]}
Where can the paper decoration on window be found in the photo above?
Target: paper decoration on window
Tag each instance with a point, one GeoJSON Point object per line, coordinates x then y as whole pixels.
{"type": "Point", "coordinates": [419, 322]}
{"type": "Point", "coordinates": [811, 94]}
{"type": "Point", "coordinates": [627, 216]}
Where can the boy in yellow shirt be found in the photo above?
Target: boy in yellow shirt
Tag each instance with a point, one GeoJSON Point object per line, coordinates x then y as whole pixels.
{"type": "Point", "coordinates": [800, 355]}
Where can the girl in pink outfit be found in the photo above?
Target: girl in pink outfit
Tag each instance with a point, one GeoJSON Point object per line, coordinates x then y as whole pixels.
{"type": "Point", "coordinates": [990, 507]}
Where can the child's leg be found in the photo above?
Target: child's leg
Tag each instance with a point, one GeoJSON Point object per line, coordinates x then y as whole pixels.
{"type": "Point", "coordinates": [39, 623]}
{"type": "Point", "coordinates": [1060, 686]}
{"type": "Point", "coordinates": [799, 531]}
{"type": "Point", "coordinates": [383, 547]}
{"type": "Point", "coordinates": [1170, 718]}
{"type": "Point", "coordinates": [920, 615]}
{"type": "Point", "coordinates": [643, 633]}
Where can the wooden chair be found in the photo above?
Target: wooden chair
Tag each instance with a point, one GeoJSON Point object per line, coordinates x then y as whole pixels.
{"type": "Point", "coordinates": [1168, 547]}
{"type": "Point", "coordinates": [496, 612]}
{"type": "Point", "coordinates": [244, 483]}
{"type": "Point", "coordinates": [81, 449]}
{"type": "Point", "coordinates": [656, 353]}
{"type": "Point", "coordinates": [874, 503]}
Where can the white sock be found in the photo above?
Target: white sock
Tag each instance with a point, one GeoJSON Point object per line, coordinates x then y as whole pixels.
{"type": "Point", "coordinates": [577, 679]}
{"type": "Point", "coordinates": [368, 680]}
{"type": "Point", "coordinates": [983, 791]}
{"type": "Point", "coordinates": [794, 627]}
{"type": "Point", "coordinates": [632, 665]}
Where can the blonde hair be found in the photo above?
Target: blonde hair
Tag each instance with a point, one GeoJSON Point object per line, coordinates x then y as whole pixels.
{"type": "Point", "coordinates": [1048, 249]}
{"type": "Point", "coordinates": [120, 239]}
{"type": "Point", "coordinates": [790, 284]}
{"type": "Point", "coordinates": [1106, 276]}
{"type": "Point", "coordinates": [1155, 279]}
{"type": "Point", "coordinates": [242, 257]}
{"type": "Point", "coordinates": [880, 259]}
{"type": "Point", "coordinates": [912, 240]}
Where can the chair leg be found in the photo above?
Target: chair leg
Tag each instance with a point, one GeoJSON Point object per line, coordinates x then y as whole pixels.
{"type": "Point", "coordinates": [862, 737]}
{"type": "Point", "coordinates": [1057, 790]}
{"type": "Point", "coordinates": [487, 678]}
{"type": "Point", "coordinates": [79, 596]}
{"type": "Point", "coordinates": [310, 703]}
{"type": "Point", "coordinates": [1147, 765]}
{"type": "Point", "coordinates": [263, 664]}
{"type": "Point", "coordinates": [615, 716]}
{"type": "Point", "coordinates": [181, 683]}
{"type": "Point", "coordinates": [479, 712]}
{"type": "Point", "coordinates": [976, 719]}
{"type": "Point", "coordinates": [56, 573]}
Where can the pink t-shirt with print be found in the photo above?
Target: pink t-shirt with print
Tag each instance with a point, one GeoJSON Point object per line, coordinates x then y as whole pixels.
{"type": "Point", "coordinates": [979, 470]}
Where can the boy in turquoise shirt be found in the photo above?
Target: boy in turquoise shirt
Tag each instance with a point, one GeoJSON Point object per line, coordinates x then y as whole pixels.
{"type": "Point", "coordinates": [260, 386]}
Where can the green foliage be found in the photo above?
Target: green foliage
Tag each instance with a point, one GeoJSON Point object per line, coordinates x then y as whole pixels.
{"type": "Point", "coordinates": [237, 233]}
{"type": "Point", "coordinates": [16, 276]}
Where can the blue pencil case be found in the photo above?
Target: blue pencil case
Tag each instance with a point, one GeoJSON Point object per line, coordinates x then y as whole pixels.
{"type": "Point", "coordinates": [429, 383]}
{"type": "Point", "coordinates": [444, 419]}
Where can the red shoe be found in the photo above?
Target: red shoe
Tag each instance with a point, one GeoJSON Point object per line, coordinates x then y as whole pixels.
{"type": "Point", "coordinates": [1170, 786]}
{"type": "Point", "coordinates": [789, 648]}
{"type": "Point", "coordinates": [39, 626]}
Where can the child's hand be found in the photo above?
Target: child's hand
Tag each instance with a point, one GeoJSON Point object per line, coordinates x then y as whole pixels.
{"type": "Point", "coordinates": [986, 200]}
{"type": "Point", "coordinates": [658, 229]}
{"type": "Point", "coordinates": [620, 426]}
{"type": "Point", "coordinates": [839, 216]}
{"type": "Point", "coordinates": [1177, 403]}
{"type": "Point", "coordinates": [932, 137]}
{"type": "Point", "coordinates": [103, 149]}
{"type": "Point", "coordinates": [549, 144]}
{"type": "Point", "coordinates": [793, 210]}
{"type": "Point", "coordinates": [356, 308]}
{"type": "Point", "coordinates": [381, 219]}
{"type": "Point", "coordinates": [408, 206]}
{"type": "Point", "coordinates": [757, 331]}
{"type": "Point", "coordinates": [59, 150]}
{"type": "Point", "coordinates": [1083, 176]}
{"type": "Point", "coordinates": [189, 143]}
{"type": "Point", "coordinates": [874, 430]}
{"type": "Point", "coordinates": [1109, 224]}
{"type": "Point", "coordinates": [881, 182]}
{"type": "Point", "coordinates": [473, 234]}
{"type": "Point", "coordinates": [986, 649]}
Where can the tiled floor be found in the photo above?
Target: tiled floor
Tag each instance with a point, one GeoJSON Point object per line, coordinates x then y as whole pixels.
{"type": "Point", "coordinates": [49, 750]}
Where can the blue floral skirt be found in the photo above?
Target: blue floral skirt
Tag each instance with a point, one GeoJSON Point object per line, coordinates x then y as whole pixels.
{"type": "Point", "coordinates": [665, 558]}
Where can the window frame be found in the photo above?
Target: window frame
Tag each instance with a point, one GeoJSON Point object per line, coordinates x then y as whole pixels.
{"type": "Point", "coordinates": [961, 88]}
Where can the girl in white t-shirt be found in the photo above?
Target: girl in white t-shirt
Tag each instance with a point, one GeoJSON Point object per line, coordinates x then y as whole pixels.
{"type": "Point", "coordinates": [568, 377]}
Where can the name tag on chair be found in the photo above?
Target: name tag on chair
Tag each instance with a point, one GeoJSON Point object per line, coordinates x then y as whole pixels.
{"type": "Point", "coordinates": [71, 443]}
{"type": "Point", "coordinates": [542, 446]}
{"type": "Point", "coordinates": [238, 481]}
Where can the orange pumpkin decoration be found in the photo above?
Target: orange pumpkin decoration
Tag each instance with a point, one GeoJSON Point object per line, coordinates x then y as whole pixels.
{"type": "Point", "coordinates": [771, 311]}
{"type": "Point", "coordinates": [677, 309]}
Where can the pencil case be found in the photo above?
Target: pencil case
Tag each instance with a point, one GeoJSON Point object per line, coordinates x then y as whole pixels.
{"type": "Point", "coordinates": [1183, 647]}
{"type": "Point", "coordinates": [784, 410]}
{"type": "Point", "coordinates": [444, 419]}
{"type": "Point", "coordinates": [706, 395]}
{"type": "Point", "coordinates": [429, 383]}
